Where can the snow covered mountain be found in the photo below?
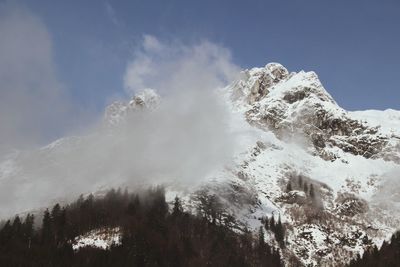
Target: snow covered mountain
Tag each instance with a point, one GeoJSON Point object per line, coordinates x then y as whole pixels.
{"type": "Point", "coordinates": [348, 156]}
{"type": "Point", "coordinates": [292, 136]}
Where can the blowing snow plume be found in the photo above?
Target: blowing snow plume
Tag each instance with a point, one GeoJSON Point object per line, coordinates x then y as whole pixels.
{"type": "Point", "coordinates": [178, 140]}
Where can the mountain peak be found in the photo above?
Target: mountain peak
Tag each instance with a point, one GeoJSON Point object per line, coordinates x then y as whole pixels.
{"type": "Point", "coordinates": [302, 138]}
{"type": "Point", "coordinates": [147, 99]}
{"type": "Point", "coordinates": [297, 104]}
{"type": "Point", "coordinates": [275, 81]}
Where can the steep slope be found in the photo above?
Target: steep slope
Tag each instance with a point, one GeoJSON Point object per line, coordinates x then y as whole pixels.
{"type": "Point", "coordinates": [297, 104]}
{"type": "Point", "coordinates": [309, 139]}
{"type": "Point", "coordinates": [291, 136]}
{"type": "Point", "coordinates": [117, 111]}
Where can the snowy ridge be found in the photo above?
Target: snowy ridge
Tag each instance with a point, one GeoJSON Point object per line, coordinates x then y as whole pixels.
{"type": "Point", "coordinates": [118, 110]}
{"type": "Point", "coordinates": [388, 120]}
{"type": "Point", "coordinates": [290, 131]}
{"type": "Point", "coordinates": [297, 105]}
{"type": "Point", "coordinates": [346, 155]}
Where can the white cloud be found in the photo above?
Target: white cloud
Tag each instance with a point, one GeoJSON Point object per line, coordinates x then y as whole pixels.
{"type": "Point", "coordinates": [179, 143]}
{"type": "Point", "coordinates": [29, 90]}
{"type": "Point", "coordinates": [111, 14]}
{"type": "Point", "coordinates": [152, 44]}
{"type": "Point", "coordinates": [34, 105]}
{"type": "Point", "coordinates": [171, 65]}
{"type": "Point", "coordinates": [136, 74]}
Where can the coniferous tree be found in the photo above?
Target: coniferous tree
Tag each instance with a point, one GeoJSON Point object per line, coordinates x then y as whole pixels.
{"type": "Point", "coordinates": [46, 227]}
{"type": "Point", "coordinates": [134, 205]}
{"type": "Point", "coordinates": [80, 200]}
{"type": "Point", "coordinates": [261, 239]}
{"type": "Point", "coordinates": [28, 229]}
{"type": "Point", "coordinates": [6, 233]}
{"type": "Point", "coordinates": [60, 223]}
{"type": "Point", "coordinates": [177, 209]}
{"type": "Point", "coordinates": [289, 187]}
{"type": "Point", "coordinates": [312, 193]}
{"type": "Point", "coordinates": [178, 243]}
{"type": "Point", "coordinates": [272, 223]}
{"type": "Point", "coordinates": [387, 255]}
{"type": "Point", "coordinates": [17, 226]}
{"type": "Point", "coordinates": [300, 181]}
{"type": "Point", "coordinates": [279, 232]}
{"type": "Point", "coordinates": [267, 223]}
{"type": "Point", "coordinates": [55, 212]}
{"type": "Point", "coordinates": [305, 188]}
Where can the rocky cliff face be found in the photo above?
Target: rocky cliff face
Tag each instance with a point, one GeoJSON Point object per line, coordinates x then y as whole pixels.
{"type": "Point", "coordinates": [297, 104]}
{"type": "Point", "coordinates": [311, 141]}
{"type": "Point", "coordinates": [118, 111]}
{"type": "Point", "coordinates": [293, 137]}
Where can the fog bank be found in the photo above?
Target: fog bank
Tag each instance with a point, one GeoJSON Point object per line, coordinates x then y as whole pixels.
{"type": "Point", "coordinates": [179, 142]}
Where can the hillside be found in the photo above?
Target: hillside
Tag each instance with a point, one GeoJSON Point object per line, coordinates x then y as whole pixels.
{"type": "Point", "coordinates": [328, 174]}
{"type": "Point", "coordinates": [130, 229]}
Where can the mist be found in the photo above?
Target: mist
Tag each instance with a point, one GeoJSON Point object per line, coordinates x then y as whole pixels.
{"type": "Point", "coordinates": [178, 143]}
{"type": "Point", "coordinates": [388, 193]}
{"type": "Point", "coordinates": [34, 105]}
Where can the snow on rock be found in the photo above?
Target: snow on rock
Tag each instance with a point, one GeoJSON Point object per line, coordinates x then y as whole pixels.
{"type": "Point", "coordinates": [296, 105]}
{"type": "Point", "coordinates": [118, 110]}
{"type": "Point", "coordinates": [288, 126]}
{"type": "Point", "coordinates": [345, 155]}
{"type": "Point", "coordinates": [289, 129]}
{"type": "Point", "coordinates": [148, 98]}
{"type": "Point", "coordinates": [102, 238]}
{"type": "Point", "coordinates": [388, 120]}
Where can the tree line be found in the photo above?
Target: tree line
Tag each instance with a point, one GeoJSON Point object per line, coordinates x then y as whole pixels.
{"type": "Point", "coordinates": [152, 235]}
{"type": "Point", "coordinates": [308, 189]}
{"type": "Point", "coordinates": [277, 228]}
{"type": "Point", "coordinates": [387, 256]}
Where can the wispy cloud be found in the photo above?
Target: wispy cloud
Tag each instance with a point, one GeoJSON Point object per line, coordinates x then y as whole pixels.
{"type": "Point", "coordinates": [170, 65]}
{"type": "Point", "coordinates": [112, 15]}
{"type": "Point", "coordinates": [35, 107]}
{"type": "Point", "coordinates": [179, 143]}
{"type": "Point", "coordinates": [32, 100]}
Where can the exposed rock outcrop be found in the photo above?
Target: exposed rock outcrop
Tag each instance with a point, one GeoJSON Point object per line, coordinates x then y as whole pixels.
{"type": "Point", "coordinates": [297, 104]}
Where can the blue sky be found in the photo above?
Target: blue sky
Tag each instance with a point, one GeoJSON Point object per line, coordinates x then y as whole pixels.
{"type": "Point", "coordinates": [352, 45]}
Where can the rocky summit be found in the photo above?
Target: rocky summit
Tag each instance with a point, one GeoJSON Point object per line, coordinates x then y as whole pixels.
{"type": "Point", "coordinates": [325, 173]}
